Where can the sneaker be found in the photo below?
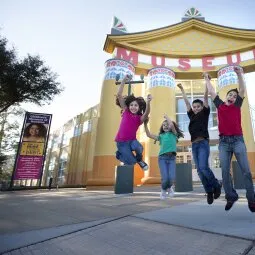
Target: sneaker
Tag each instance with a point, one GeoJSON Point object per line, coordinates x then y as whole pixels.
{"type": "Point", "coordinates": [217, 191]}
{"type": "Point", "coordinates": [251, 206]}
{"type": "Point", "coordinates": [143, 165]}
{"type": "Point", "coordinates": [162, 195]}
{"type": "Point", "coordinates": [229, 204]}
{"type": "Point", "coordinates": [210, 198]}
{"type": "Point", "coordinates": [171, 192]}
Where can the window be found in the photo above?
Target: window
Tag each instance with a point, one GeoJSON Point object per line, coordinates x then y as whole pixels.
{"type": "Point", "coordinates": [67, 136]}
{"type": "Point", "coordinates": [216, 162]}
{"type": "Point", "coordinates": [194, 90]}
{"type": "Point", "coordinates": [183, 121]}
{"type": "Point", "coordinates": [87, 126]}
{"type": "Point", "coordinates": [189, 159]}
{"type": "Point", "coordinates": [56, 142]}
{"type": "Point", "coordinates": [62, 167]}
{"type": "Point", "coordinates": [78, 130]}
{"type": "Point", "coordinates": [179, 159]}
{"type": "Point", "coordinates": [52, 164]}
{"type": "Point", "coordinates": [180, 105]}
{"type": "Point", "coordinates": [50, 142]}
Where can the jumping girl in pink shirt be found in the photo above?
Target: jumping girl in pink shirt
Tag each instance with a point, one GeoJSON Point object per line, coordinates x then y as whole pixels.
{"type": "Point", "coordinates": [134, 112]}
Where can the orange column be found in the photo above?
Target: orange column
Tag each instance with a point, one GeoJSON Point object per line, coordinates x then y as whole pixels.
{"type": "Point", "coordinates": [161, 84]}
{"type": "Point", "coordinates": [104, 162]}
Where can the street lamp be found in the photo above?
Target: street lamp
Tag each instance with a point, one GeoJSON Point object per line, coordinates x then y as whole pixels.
{"type": "Point", "coordinates": [117, 82]}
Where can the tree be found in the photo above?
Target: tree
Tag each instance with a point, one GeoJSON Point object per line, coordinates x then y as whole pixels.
{"type": "Point", "coordinates": [26, 80]}
{"type": "Point", "coordinates": [9, 137]}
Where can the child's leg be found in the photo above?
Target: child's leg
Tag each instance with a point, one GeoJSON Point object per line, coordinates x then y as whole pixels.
{"type": "Point", "coordinates": [138, 148]}
{"type": "Point", "coordinates": [225, 154]}
{"type": "Point", "coordinates": [171, 170]}
{"type": "Point", "coordinates": [171, 174]}
{"type": "Point", "coordinates": [163, 166]}
{"type": "Point", "coordinates": [195, 154]}
{"type": "Point", "coordinates": [241, 157]}
{"type": "Point", "coordinates": [203, 165]}
{"type": "Point", "coordinates": [125, 154]}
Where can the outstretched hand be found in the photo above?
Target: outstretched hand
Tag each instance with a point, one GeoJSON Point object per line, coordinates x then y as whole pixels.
{"type": "Point", "coordinates": [166, 117]}
{"type": "Point", "coordinates": [206, 76]}
{"type": "Point", "coordinates": [127, 77]}
{"type": "Point", "coordinates": [179, 85]}
{"type": "Point", "coordinates": [149, 97]}
{"type": "Point", "coordinates": [237, 70]}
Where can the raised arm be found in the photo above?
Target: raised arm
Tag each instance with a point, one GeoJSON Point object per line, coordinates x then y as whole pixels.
{"type": "Point", "coordinates": [147, 131]}
{"type": "Point", "coordinates": [209, 86]}
{"type": "Point", "coordinates": [170, 123]}
{"type": "Point", "coordinates": [242, 87]}
{"type": "Point", "coordinates": [120, 91]}
{"type": "Point", "coordinates": [147, 109]}
{"type": "Point", "coordinates": [188, 106]}
{"type": "Point", "coordinates": [206, 96]}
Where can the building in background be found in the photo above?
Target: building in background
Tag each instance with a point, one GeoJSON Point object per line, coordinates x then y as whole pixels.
{"type": "Point", "coordinates": [82, 152]}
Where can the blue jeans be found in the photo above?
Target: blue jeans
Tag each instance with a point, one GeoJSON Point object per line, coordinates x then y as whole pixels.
{"type": "Point", "coordinates": [228, 146]}
{"type": "Point", "coordinates": [201, 152]}
{"type": "Point", "coordinates": [167, 168]}
{"type": "Point", "coordinates": [125, 152]}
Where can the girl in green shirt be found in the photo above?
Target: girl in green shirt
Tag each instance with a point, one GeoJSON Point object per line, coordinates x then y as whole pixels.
{"type": "Point", "coordinates": [168, 137]}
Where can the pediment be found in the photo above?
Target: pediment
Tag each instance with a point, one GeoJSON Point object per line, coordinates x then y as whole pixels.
{"type": "Point", "coordinates": [193, 38]}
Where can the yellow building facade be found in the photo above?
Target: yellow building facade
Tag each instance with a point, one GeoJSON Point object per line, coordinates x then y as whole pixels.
{"type": "Point", "coordinates": [165, 56]}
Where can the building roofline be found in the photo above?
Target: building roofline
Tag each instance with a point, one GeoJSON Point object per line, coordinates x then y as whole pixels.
{"type": "Point", "coordinates": [156, 29]}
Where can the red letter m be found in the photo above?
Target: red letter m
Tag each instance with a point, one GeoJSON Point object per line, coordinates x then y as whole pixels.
{"type": "Point", "coordinates": [131, 57]}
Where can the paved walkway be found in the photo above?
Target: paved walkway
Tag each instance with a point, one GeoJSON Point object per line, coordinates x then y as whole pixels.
{"type": "Point", "coordinates": [79, 221]}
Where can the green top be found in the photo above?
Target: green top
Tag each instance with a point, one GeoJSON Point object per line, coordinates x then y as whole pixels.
{"type": "Point", "coordinates": [167, 141]}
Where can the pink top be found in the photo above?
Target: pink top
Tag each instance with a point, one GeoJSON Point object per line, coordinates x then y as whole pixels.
{"type": "Point", "coordinates": [128, 126]}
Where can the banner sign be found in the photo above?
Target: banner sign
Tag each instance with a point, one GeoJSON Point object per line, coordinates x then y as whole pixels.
{"type": "Point", "coordinates": [31, 153]}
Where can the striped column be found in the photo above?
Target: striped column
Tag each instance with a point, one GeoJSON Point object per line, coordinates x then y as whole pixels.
{"type": "Point", "coordinates": [103, 171]}
{"type": "Point", "coordinates": [161, 84]}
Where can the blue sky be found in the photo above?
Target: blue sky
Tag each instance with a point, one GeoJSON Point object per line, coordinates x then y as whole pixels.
{"type": "Point", "coordinates": [69, 36]}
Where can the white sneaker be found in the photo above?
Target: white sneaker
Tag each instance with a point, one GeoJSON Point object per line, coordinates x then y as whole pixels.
{"type": "Point", "coordinates": [162, 195]}
{"type": "Point", "coordinates": [171, 192]}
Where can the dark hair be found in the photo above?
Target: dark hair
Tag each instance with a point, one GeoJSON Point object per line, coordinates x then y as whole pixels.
{"type": "Point", "coordinates": [129, 99]}
{"type": "Point", "coordinates": [234, 90]}
{"type": "Point", "coordinates": [178, 130]}
{"type": "Point", "coordinates": [198, 101]}
{"type": "Point", "coordinates": [42, 130]}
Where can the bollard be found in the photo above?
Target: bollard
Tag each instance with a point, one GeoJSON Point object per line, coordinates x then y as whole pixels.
{"type": "Point", "coordinates": [124, 179]}
{"type": "Point", "coordinates": [237, 176]}
{"type": "Point", "coordinates": [183, 177]}
{"type": "Point", "coordinates": [50, 183]}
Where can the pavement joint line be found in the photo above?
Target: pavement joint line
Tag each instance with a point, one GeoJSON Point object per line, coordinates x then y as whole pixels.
{"type": "Point", "coordinates": [72, 232]}
{"type": "Point", "coordinates": [249, 248]}
{"type": "Point", "coordinates": [191, 228]}
{"type": "Point", "coordinates": [135, 203]}
{"type": "Point", "coordinates": [151, 200]}
{"type": "Point", "coordinates": [143, 202]}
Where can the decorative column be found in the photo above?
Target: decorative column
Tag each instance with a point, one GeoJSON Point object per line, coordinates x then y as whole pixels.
{"type": "Point", "coordinates": [227, 80]}
{"type": "Point", "coordinates": [103, 171]}
{"type": "Point", "coordinates": [161, 85]}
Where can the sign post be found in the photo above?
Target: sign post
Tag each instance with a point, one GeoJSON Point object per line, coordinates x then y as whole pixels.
{"type": "Point", "coordinates": [32, 147]}
{"type": "Point", "coordinates": [117, 82]}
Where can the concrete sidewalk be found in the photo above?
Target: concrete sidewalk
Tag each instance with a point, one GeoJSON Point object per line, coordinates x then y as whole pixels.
{"type": "Point", "coordinates": [77, 221]}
